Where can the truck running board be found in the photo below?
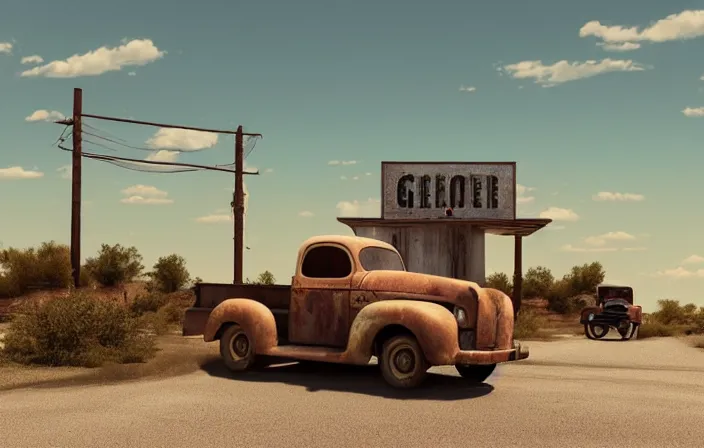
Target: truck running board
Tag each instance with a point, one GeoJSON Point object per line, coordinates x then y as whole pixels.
{"type": "Point", "coordinates": [307, 353]}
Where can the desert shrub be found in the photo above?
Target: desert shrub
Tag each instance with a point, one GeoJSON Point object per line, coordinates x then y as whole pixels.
{"type": "Point", "coordinates": [148, 303]}
{"type": "Point", "coordinates": [537, 282]}
{"type": "Point", "coordinates": [170, 274]}
{"type": "Point", "coordinates": [265, 278]}
{"type": "Point", "coordinates": [115, 265]}
{"type": "Point", "coordinates": [76, 331]}
{"type": "Point", "coordinates": [47, 266]}
{"type": "Point", "coordinates": [656, 329]}
{"type": "Point", "coordinates": [698, 342]}
{"type": "Point", "coordinates": [500, 281]}
{"type": "Point", "coordinates": [528, 324]}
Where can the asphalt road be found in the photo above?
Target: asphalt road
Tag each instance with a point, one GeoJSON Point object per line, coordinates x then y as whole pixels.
{"type": "Point", "coordinates": [572, 393]}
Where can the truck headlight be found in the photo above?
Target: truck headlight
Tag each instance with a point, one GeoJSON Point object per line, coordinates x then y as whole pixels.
{"type": "Point", "coordinates": [460, 316]}
{"type": "Point", "coordinates": [590, 317]}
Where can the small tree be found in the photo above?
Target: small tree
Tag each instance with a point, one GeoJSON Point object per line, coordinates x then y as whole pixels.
{"type": "Point", "coordinates": [170, 273]}
{"type": "Point", "coordinates": [584, 279]}
{"type": "Point", "coordinates": [537, 282]}
{"type": "Point", "coordinates": [500, 281]}
{"type": "Point", "coordinates": [115, 265]}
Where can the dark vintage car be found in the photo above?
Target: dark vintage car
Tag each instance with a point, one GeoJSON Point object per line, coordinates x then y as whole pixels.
{"type": "Point", "coordinates": [614, 309]}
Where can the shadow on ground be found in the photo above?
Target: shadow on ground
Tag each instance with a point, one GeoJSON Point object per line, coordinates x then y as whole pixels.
{"type": "Point", "coordinates": [352, 379]}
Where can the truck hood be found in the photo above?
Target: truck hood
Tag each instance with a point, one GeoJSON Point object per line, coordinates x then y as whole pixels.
{"type": "Point", "coordinates": [430, 286]}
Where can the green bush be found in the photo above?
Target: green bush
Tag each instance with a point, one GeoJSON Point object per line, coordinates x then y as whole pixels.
{"type": "Point", "coordinates": [656, 330]}
{"type": "Point", "coordinates": [500, 281]}
{"type": "Point", "coordinates": [148, 303]}
{"type": "Point", "coordinates": [48, 266]}
{"type": "Point", "coordinates": [537, 282]}
{"type": "Point", "coordinates": [76, 331]}
{"type": "Point", "coordinates": [170, 273]}
{"type": "Point", "coordinates": [115, 265]}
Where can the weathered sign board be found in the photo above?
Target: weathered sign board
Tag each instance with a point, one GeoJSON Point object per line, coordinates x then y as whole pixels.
{"type": "Point", "coordinates": [423, 190]}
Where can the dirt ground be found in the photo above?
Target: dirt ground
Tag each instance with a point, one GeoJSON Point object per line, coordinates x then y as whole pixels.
{"type": "Point", "coordinates": [177, 356]}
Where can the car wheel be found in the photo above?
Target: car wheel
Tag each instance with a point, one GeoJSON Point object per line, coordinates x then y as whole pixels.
{"type": "Point", "coordinates": [403, 364]}
{"type": "Point", "coordinates": [476, 373]}
{"type": "Point", "coordinates": [236, 349]}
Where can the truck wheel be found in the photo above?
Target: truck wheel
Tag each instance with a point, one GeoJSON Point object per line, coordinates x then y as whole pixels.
{"type": "Point", "coordinates": [402, 362]}
{"type": "Point", "coordinates": [236, 349]}
{"type": "Point", "coordinates": [476, 373]}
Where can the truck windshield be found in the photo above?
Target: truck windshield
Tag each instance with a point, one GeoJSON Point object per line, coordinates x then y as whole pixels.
{"type": "Point", "coordinates": [380, 259]}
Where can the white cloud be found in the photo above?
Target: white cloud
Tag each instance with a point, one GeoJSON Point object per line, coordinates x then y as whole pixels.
{"type": "Point", "coordinates": [693, 111]}
{"type": "Point", "coordinates": [565, 71]}
{"type": "Point", "coordinates": [214, 219]}
{"type": "Point", "coordinates": [634, 249]}
{"type": "Point", "coordinates": [163, 155]}
{"type": "Point", "coordinates": [137, 52]}
{"type": "Point", "coordinates": [146, 201]}
{"type": "Point", "coordinates": [684, 25]}
{"type": "Point", "coordinates": [552, 226]}
{"type": "Point", "coordinates": [559, 214]}
{"type": "Point", "coordinates": [693, 259]}
{"type": "Point", "coordinates": [343, 177]}
{"type": "Point", "coordinates": [521, 197]}
{"type": "Point", "coordinates": [17, 172]}
{"type": "Point", "coordinates": [305, 214]}
{"type": "Point", "coordinates": [5, 48]}
{"type": "Point", "coordinates": [34, 59]}
{"type": "Point", "coordinates": [132, 74]}
{"type": "Point", "coordinates": [269, 170]}
{"type": "Point", "coordinates": [145, 194]}
{"type": "Point", "coordinates": [44, 115]}
{"type": "Point", "coordinates": [680, 273]}
{"type": "Point", "coordinates": [65, 171]}
{"type": "Point", "coordinates": [182, 139]}
{"type": "Point", "coordinates": [571, 248]}
{"type": "Point", "coordinates": [367, 174]}
{"type": "Point", "coordinates": [355, 178]}
{"type": "Point", "coordinates": [470, 89]}
{"type": "Point", "coordinates": [370, 208]}
{"type": "Point", "coordinates": [601, 240]}
{"type": "Point", "coordinates": [342, 162]}
{"type": "Point", "coordinates": [609, 196]}
{"type": "Point", "coordinates": [625, 46]}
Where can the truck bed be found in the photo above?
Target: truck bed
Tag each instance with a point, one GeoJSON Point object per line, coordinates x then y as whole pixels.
{"type": "Point", "coordinates": [210, 295]}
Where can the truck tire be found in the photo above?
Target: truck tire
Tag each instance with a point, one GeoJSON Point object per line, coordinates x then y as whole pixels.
{"type": "Point", "coordinates": [236, 349]}
{"type": "Point", "coordinates": [403, 364]}
{"type": "Point", "coordinates": [475, 373]}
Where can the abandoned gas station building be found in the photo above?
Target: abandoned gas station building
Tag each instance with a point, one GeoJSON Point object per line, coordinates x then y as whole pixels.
{"type": "Point", "coordinates": [415, 197]}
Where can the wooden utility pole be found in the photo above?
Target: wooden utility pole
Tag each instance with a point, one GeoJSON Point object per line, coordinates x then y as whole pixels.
{"type": "Point", "coordinates": [76, 159]}
{"type": "Point", "coordinates": [239, 205]}
{"type": "Point", "coordinates": [517, 274]}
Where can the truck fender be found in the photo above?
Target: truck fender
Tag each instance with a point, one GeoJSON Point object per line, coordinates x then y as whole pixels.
{"type": "Point", "coordinates": [434, 327]}
{"type": "Point", "coordinates": [635, 313]}
{"type": "Point", "coordinates": [255, 319]}
{"type": "Point", "coordinates": [584, 314]}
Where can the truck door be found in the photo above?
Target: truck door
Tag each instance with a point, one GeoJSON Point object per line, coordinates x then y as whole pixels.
{"type": "Point", "coordinates": [319, 312]}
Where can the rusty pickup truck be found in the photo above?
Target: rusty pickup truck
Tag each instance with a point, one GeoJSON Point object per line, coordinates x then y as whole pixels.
{"type": "Point", "coordinates": [351, 298]}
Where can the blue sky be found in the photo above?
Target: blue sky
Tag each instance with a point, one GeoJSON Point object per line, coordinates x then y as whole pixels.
{"type": "Point", "coordinates": [367, 81]}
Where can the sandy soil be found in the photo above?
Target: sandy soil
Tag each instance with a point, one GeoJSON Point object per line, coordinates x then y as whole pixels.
{"type": "Point", "coordinates": [177, 356]}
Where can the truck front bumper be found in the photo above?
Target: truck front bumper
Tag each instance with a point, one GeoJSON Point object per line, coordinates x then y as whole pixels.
{"type": "Point", "coordinates": [517, 353]}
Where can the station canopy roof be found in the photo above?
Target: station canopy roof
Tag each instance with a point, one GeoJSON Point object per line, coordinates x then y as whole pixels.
{"type": "Point", "coordinates": [506, 227]}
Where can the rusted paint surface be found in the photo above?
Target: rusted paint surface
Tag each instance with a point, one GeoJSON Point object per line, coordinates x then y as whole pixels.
{"type": "Point", "coordinates": [504, 319]}
{"type": "Point", "coordinates": [209, 295]}
{"type": "Point", "coordinates": [255, 318]}
{"type": "Point", "coordinates": [433, 325]}
{"type": "Point", "coordinates": [319, 317]}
